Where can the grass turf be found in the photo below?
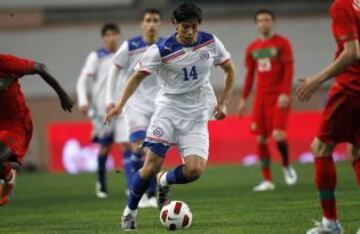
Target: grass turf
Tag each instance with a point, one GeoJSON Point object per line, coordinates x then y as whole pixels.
{"type": "Point", "coordinates": [222, 201]}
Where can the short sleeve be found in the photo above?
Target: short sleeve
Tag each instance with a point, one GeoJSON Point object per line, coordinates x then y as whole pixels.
{"type": "Point", "coordinates": [150, 61]}
{"type": "Point", "coordinates": [221, 55]}
{"type": "Point", "coordinates": [91, 65]}
{"type": "Point", "coordinates": [286, 52]}
{"type": "Point", "coordinates": [121, 57]}
{"type": "Point", "coordinates": [16, 66]}
{"type": "Point", "coordinates": [344, 24]}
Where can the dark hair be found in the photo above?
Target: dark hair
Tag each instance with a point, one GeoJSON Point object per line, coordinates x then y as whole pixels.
{"type": "Point", "coordinates": [109, 27]}
{"type": "Point", "coordinates": [264, 11]}
{"type": "Point", "coordinates": [187, 11]}
{"type": "Point", "coordinates": [150, 11]}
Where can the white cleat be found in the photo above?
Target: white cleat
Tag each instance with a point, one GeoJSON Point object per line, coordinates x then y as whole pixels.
{"type": "Point", "coordinates": [290, 175]}
{"type": "Point", "coordinates": [358, 232]}
{"type": "Point", "coordinates": [99, 193]}
{"type": "Point", "coordinates": [147, 202]}
{"type": "Point", "coordinates": [264, 186]}
{"type": "Point", "coordinates": [153, 202]}
{"type": "Point", "coordinates": [326, 227]}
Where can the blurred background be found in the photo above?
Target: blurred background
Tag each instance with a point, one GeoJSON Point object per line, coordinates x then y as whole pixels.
{"type": "Point", "coordinates": [62, 33]}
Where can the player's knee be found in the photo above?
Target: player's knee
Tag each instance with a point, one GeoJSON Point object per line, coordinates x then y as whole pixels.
{"type": "Point", "coordinates": [279, 135]}
{"type": "Point", "coordinates": [194, 169]}
{"type": "Point", "coordinates": [321, 149]}
{"type": "Point", "coordinates": [193, 173]}
{"type": "Point", "coordinates": [261, 139]}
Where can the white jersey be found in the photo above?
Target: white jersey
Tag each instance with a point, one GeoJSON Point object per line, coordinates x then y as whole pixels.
{"type": "Point", "coordinates": [129, 54]}
{"type": "Point", "coordinates": [184, 72]}
{"type": "Point", "coordinates": [94, 75]}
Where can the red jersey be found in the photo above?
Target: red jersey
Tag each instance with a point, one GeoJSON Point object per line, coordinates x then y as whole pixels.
{"type": "Point", "coordinates": [12, 104]}
{"type": "Point", "coordinates": [271, 61]}
{"type": "Point", "coordinates": [345, 15]}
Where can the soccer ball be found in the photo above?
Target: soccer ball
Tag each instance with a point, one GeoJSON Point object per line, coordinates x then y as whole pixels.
{"type": "Point", "coordinates": [176, 215]}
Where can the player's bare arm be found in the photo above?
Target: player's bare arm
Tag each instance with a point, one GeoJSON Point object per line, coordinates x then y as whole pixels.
{"type": "Point", "coordinates": [67, 103]}
{"type": "Point", "coordinates": [130, 87]}
{"type": "Point", "coordinates": [309, 85]}
{"type": "Point", "coordinates": [230, 73]}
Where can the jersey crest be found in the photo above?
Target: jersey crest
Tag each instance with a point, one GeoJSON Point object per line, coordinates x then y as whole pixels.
{"type": "Point", "coordinates": [271, 52]}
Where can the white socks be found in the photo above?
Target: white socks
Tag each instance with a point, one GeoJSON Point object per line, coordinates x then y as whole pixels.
{"type": "Point", "coordinates": [128, 211]}
{"type": "Point", "coordinates": [162, 180]}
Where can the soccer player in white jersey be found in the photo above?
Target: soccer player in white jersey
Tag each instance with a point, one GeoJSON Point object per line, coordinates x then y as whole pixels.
{"type": "Point", "coordinates": [141, 105]}
{"type": "Point", "coordinates": [93, 76]}
{"type": "Point", "coordinates": [183, 62]}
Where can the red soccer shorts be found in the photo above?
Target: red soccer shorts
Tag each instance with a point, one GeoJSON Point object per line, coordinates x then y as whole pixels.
{"type": "Point", "coordinates": [16, 135]}
{"type": "Point", "coordinates": [340, 121]}
{"type": "Point", "coordinates": [267, 116]}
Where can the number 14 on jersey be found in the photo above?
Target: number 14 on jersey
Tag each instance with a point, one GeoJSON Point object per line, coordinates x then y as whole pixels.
{"type": "Point", "coordinates": [192, 75]}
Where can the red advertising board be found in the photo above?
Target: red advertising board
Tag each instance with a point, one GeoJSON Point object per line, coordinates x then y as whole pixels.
{"type": "Point", "coordinates": [231, 142]}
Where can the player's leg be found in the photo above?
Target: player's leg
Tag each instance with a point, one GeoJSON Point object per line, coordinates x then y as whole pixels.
{"type": "Point", "coordinates": [335, 126]}
{"type": "Point", "coordinates": [193, 144]}
{"type": "Point", "coordinates": [156, 145]}
{"type": "Point", "coordinates": [102, 135]}
{"type": "Point", "coordinates": [7, 175]}
{"type": "Point", "coordinates": [265, 159]}
{"type": "Point", "coordinates": [102, 189]}
{"type": "Point", "coordinates": [354, 151]}
{"type": "Point", "coordinates": [280, 121]}
{"type": "Point", "coordinates": [325, 181]}
{"type": "Point", "coordinates": [290, 174]}
{"type": "Point", "coordinates": [140, 183]}
{"type": "Point", "coordinates": [138, 124]}
{"type": "Point", "coordinates": [260, 126]}
{"type": "Point", "coordinates": [122, 138]}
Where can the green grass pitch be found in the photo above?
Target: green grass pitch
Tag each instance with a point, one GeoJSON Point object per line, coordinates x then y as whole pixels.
{"type": "Point", "coordinates": [222, 201]}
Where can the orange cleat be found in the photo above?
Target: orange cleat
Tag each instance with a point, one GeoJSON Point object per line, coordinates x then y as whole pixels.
{"type": "Point", "coordinates": [6, 189]}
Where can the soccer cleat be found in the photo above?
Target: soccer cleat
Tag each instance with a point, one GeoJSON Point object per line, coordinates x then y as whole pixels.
{"type": "Point", "coordinates": [153, 202]}
{"type": "Point", "coordinates": [326, 227]}
{"type": "Point", "coordinates": [128, 223]}
{"type": "Point", "coordinates": [290, 175]}
{"type": "Point", "coordinates": [163, 197]}
{"type": "Point", "coordinates": [147, 202]}
{"type": "Point", "coordinates": [99, 193]}
{"type": "Point", "coordinates": [7, 188]}
{"type": "Point", "coordinates": [264, 186]}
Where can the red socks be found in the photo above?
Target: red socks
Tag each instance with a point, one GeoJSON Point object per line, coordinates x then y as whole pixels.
{"type": "Point", "coordinates": [356, 166]}
{"type": "Point", "coordinates": [264, 155]}
{"type": "Point", "coordinates": [325, 179]}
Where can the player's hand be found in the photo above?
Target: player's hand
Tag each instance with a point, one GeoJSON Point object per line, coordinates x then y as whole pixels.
{"type": "Point", "coordinates": [115, 111]}
{"type": "Point", "coordinates": [308, 86]}
{"type": "Point", "coordinates": [220, 111]}
{"type": "Point", "coordinates": [67, 103]}
{"type": "Point", "coordinates": [283, 101]}
{"type": "Point", "coordinates": [109, 107]}
{"type": "Point", "coordinates": [242, 107]}
{"type": "Point", "coordinates": [84, 109]}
